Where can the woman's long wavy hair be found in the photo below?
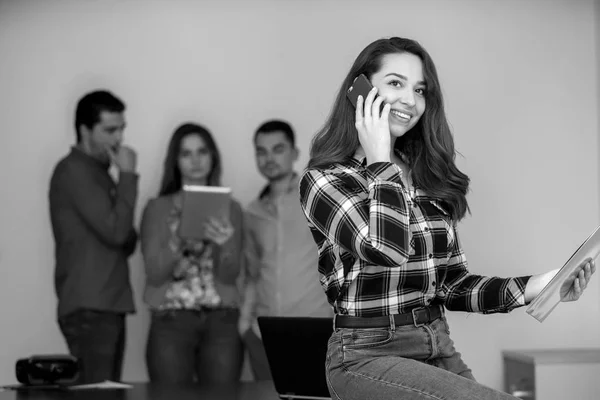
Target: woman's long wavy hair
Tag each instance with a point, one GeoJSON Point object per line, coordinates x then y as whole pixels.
{"type": "Point", "coordinates": [428, 146]}
{"type": "Point", "coordinates": [171, 179]}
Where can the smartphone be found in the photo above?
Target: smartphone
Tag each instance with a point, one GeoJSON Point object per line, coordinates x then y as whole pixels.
{"type": "Point", "coordinates": [361, 87]}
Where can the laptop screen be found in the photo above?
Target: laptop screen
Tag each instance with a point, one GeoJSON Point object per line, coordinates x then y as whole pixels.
{"type": "Point", "coordinates": [296, 348]}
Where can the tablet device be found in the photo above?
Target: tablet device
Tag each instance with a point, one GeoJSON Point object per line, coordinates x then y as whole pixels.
{"type": "Point", "coordinates": [200, 203]}
{"type": "Point", "coordinates": [549, 297]}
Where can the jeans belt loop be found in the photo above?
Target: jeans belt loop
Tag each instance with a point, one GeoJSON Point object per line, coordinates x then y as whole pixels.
{"type": "Point", "coordinates": [334, 317]}
{"type": "Point", "coordinates": [392, 323]}
{"type": "Point", "coordinates": [414, 315]}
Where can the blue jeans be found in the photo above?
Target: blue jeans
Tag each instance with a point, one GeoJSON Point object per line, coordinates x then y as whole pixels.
{"type": "Point", "coordinates": [403, 362]}
{"type": "Point", "coordinates": [97, 339]}
{"type": "Point", "coordinates": [186, 346]}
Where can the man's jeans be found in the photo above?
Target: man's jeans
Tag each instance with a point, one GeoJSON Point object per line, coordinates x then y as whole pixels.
{"type": "Point", "coordinates": [187, 346]}
{"type": "Point", "coordinates": [97, 339]}
{"type": "Point", "coordinates": [403, 362]}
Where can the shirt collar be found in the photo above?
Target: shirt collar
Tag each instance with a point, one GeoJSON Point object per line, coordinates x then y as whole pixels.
{"type": "Point", "coordinates": [83, 156]}
{"type": "Point", "coordinates": [292, 187]}
{"type": "Point", "coordinates": [360, 157]}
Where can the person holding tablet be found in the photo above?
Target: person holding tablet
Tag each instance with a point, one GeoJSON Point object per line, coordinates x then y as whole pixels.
{"type": "Point", "coordinates": [191, 284]}
{"type": "Point", "coordinates": [383, 196]}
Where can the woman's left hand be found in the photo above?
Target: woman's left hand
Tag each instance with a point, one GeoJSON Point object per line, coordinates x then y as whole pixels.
{"type": "Point", "coordinates": [218, 230]}
{"type": "Point", "coordinates": [573, 287]}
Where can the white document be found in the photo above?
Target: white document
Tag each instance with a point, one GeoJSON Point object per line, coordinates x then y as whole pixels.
{"type": "Point", "coordinates": [102, 385]}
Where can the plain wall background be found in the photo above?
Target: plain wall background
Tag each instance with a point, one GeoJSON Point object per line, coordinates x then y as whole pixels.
{"type": "Point", "coordinates": [597, 48]}
{"type": "Point", "coordinates": [521, 80]}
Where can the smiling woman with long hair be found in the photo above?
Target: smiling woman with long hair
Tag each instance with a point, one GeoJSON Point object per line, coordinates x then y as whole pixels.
{"type": "Point", "coordinates": [383, 198]}
{"type": "Point", "coordinates": [191, 284]}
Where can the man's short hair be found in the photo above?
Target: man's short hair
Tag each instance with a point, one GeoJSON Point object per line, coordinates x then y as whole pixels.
{"type": "Point", "coordinates": [276, 125]}
{"type": "Point", "coordinates": [91, 105]}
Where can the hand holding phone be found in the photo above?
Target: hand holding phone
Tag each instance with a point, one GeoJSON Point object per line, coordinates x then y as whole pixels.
{"type": "Point", "coordinates": [360, 87]}
{"type": "Point", "coordinates": [372, 126]}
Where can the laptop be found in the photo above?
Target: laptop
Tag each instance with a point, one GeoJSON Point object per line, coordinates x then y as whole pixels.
{"type": "Point", "coordinates": [296, 349]}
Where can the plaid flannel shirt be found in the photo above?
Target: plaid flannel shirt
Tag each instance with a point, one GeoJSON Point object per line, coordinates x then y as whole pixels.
{"type": "Point", "coordinates": [383, 250]}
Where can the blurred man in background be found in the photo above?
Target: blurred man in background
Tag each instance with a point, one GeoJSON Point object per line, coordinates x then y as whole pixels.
{"type": "Point", "coordinates": [282, 269]}
{"type": "Point", "coordinates": [92, 222]}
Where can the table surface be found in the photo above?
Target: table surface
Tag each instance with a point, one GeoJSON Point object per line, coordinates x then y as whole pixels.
{"type": "Point", "coordinates": [554, 356]}
{"type": "Point", "coordinates": [263, 390]}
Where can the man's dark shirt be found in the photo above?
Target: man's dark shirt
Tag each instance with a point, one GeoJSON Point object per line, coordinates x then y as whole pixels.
{"type": "Point", "coordinates": [92, 223]}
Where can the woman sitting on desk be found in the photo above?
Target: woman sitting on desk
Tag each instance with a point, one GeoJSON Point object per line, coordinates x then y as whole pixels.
{"type": "Point", "coordinates": [191, 284]}
{"type": "Point", "coordinates": [383, 197]}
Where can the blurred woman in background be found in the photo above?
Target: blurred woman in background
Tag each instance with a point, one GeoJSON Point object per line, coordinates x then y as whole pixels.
{"type": "Point", "coordinates": [191, 284]}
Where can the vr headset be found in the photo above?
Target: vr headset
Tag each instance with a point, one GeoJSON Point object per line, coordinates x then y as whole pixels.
{"type": "Point", "coordinates": [53, 369]}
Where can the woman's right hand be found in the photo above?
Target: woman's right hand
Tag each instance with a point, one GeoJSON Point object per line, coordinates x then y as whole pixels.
{"type": "Point", "coordinates": [573, 287]}
{"type": "Point", "coordinates": [218, 230]}
{"type": "Point", "coordinates": [373, 127]}
{"type": "Point", "coordinates": [194, 246]}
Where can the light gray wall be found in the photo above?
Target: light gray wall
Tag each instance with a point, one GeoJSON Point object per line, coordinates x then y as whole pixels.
{"type": "Point", "coordinates": [521, 86]}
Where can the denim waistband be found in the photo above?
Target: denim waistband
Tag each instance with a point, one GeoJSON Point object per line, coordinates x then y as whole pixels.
{"type": "Point", "coordinates": [417, 316]}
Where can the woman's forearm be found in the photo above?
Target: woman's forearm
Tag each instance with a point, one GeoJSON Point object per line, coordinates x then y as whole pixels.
{"type": "Point", "coordinates": [537, 283]}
